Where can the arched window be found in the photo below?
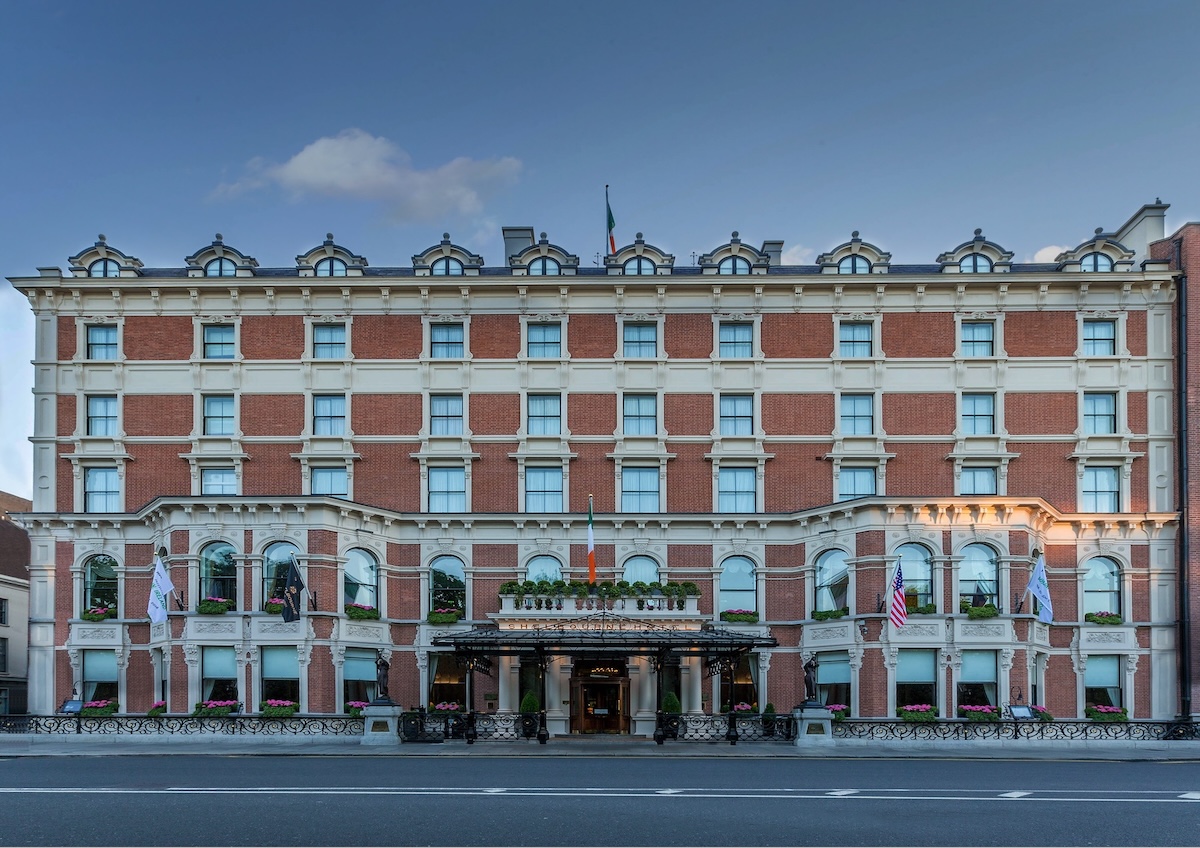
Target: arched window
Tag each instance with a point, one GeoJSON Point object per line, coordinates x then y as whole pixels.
{"type": "Point", "coordinates": [854, 265]}
{"type": "Point", "coordinates": [218, 572]}
{"type": "Point", "coordinates": [104, 268]}
{"type": "Point", "coordinates": [100, 584]}
{"type": "Point", "coordinates": [544, 266]}
{"type": "Point", "coordinates": [543, 568]}
{"type": "Point", "coordinates": [917, 569]}
{"type": "Point", "coordinates": [447, 585]}
{"type": "Point", "coordinates": [1102, 586]}
{"type": "Point", "coordinates": [641, 569]}
{"type": "Point", "coordinates": [220, 268]}
{"type": "Point", "coordinates": [1096, 262]}
{"type": "Point", "coordinates": [638, 266]}
{"type": "Point", "coordinates": [737, 589]}
{"type": "Point", "coordinates": [447, 267]}
{"type": "Point", "coordinates": [978, 577]}
{"type": "Point", "coordinates": [277, 559]}
{"type": "Point", "coordinates": [975, 263]}
{"type": "Point", "coordinates": [734, 265]}
{"type": "Point", "coordinates": [331, 268]}
{"type": "Point", "coordinates": [833, 581]}
{"type": "Point", "coordinates": [360, 578]}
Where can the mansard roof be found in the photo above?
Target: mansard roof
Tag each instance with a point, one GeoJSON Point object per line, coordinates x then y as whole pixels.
{"type": "Point", "coordinates": [1001, 259]}
{"type": "Point", "coordinates": [759, 260]}
{"type": "Point", "coordinates": [446, 249]}
{"type": "Point", "coordinates": [879, 260]}
{"type": "Point", "coordinates": [197, 262]}
{"type": "Point", "coordinates": [328, 249]}
{"type": "Point", "coordinates": [1101, 242]}
{"type": "Point", "coordinates": [130, 266]}
{"type": "Point", "coordinates": [664, 262]}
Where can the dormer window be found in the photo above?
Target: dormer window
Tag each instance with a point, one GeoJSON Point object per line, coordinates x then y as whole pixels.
{"type": "Point", "coordinates": [220, 268]}
{"type": "Point", "coordinates": [447, 267]}
{"type": "Point", "coordinates": [330, 268]}
{"type": "Point", "coordinates": [732, 265]}
{"type": "Point", "coordinates": [544, 266]}
{"type": "Point", "coordinates": [1096, 262]}
{"type": "Point", "coordinates": [104, 268]}
{"type": "Point", "coordinates": [638, 266]}
{"type": "Point", "coordinates": [854, 265]}
{"type": "Point", "coordinates": [975, 263]}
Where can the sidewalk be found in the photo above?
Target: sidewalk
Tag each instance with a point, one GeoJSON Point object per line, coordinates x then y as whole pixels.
{"type": "Point", "coordinates": [90, 745]}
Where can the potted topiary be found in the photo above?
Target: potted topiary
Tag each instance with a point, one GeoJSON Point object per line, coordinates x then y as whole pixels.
{"type": "Point", "coordinates": [768, 719]}
{"type": "Point", "coordinates": [530, 707]}
{"type": "Point", "coordinates": [671, 708]}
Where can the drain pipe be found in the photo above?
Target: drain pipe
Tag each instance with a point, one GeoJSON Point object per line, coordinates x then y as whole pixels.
{"type": "Point", "coordinates": [1185, 556]}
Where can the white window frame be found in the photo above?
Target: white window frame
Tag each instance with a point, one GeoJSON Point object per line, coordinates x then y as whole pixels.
{"type": "Point", "coordinates": [331, 421]}
{"type": "Point", "coordinates": [447, 415]}
{"type": "Point", "coordinates": [329, 472]}
{"type": "Point", "coordinates": [109, 417]}
{"type": "Point", "coordinates": [732, 491]}
{"type": "Point", "coordinates": [641, 473]}
{"type": "Point", "coordinates": [735, 413]}
{"type": "Point", "coordinates": [850, 479]}
{"type": "Point", "coordinates": [447, 473]}
{"type": "Point", "coordinates": [547, 495]}
{"type": "Point", "coordinates": [227, 488]}
{"type": "Point", "coordinates": [326, 349]}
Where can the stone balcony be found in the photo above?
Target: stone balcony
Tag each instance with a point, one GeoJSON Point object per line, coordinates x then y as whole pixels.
{"type": "Point", "coordinates": [557, 608]}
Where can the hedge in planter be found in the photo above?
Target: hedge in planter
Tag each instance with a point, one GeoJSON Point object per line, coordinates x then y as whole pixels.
{"type": "Point", "coordinates": [98, 613]}
{"type": "Point", "coordinates": [214, 606]}
{"type": "Point", "coordinates": [1100, 713]}
{"type": "Point", "coordinates": [277, 708]}
{"type": "Point", "coordinates": [972, 712]}
{"type": "Point", "coordinates": [361, 612]}
{"type": "Point", "coordinates": [216, 708]}
{"type": "Point", "coordinates": [96, 709]}
{"type": "Point", "coordinates": [1102, 618]}
{"type": "Point", "coordinates": [917, 712]}
{"type": "Point", "coordinates": [740, 615]}
{"type": "Point", "coordinates": [829, 615]}
{"type": "Point", "coordinates": [443, 616]}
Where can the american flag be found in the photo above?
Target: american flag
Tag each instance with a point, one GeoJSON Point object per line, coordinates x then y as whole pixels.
{"type": "Point", "coordinates": [899, 612]}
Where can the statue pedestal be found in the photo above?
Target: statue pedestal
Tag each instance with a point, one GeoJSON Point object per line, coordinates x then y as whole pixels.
{"type": "Point", "coordinates": [814, 724]}
{"type": "Point", "coordinates": [381, 724]}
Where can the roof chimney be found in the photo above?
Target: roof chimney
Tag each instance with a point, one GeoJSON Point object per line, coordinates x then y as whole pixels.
{"type": "Point", "coordinates": [516, 239]}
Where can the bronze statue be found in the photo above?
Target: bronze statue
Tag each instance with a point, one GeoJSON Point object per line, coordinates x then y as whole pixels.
{"type": "Point", "coordinates": [810, 681]}
{"type": "Point", "coordinates": [381, 679]}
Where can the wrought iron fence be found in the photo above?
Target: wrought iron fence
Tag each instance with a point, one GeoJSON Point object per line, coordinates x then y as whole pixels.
{"type": "Point", "coordinates": [301, 725]}
{"type": "Point", "coordinates": [729, 727]}
{"type": "Point", "coordinates": [1053, 731]}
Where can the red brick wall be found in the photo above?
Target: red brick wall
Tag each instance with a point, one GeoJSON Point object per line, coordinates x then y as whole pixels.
{"type": "Point", "coordinates": [386, 337]}
{"type": "Point", "coordinates": [592, 336]}
{"type": "Point", "coordinates": [1043, 471]}
{"type": "Point", "coordinates": [494, 479]}
{"type": "Point", "coordinates": [1135, 333]}
{"type": "Point", "coordinates": [797, 413]}
{"type": "Point", "coordinates": [1135, 409]}
{"type": "Point", "coordinates": [272, 337]}
{"type": "Point", "coordinates": [495, 414]}
{"type": "Point", "coordinates": [382, 415]}
{"type": "Point", "coordinates": [1041, 413]}
{"type": "Point", "coordinates": [797, 336]}
{"type": "Point", "coordinates": [67, 336]}
{"type": "Point", "coordinates": [271, 470]}
{"type": "Point", "coordinates": [495, 336]}
{"type": "Point", "coordinates": [919, 469]}
{"type": "Point", "coordinates": [592, 414]}
{"type": "Point", "coordinates": [158, 415]}
{"type": "Point", "coordinates": [592, 473]}
{"type": "Point", "coordinates": [273, 415]}
{"type": "Point", "coordinates": [798, 477]}
{"type": "Point", "coordinates": [918, 334]}
{"type": "Point", "coordinates": [386, 475]}
{"type": "Point", "coordinates": [64, 481]}
{"type": "Point", "coordinates": [688, 336]}
{"type": "Point", "coordinates": [924, 413]}
{"type": "Point", "coordinates": [688, 414]}
{"type": "Point", "coordinates": [1040, 334]}
{"type": "Point", "coordinates": [156, 470]}
{"type": "Point", "coordinates": [689, 479]}
{"type": "Point", "coordinates": [65, 415]}
{"type": "Point", "coordinates": [158, 337]}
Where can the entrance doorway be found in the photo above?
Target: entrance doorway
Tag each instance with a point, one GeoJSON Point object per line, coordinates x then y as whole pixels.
{"type": "Point", "coordinates": [600, 697]}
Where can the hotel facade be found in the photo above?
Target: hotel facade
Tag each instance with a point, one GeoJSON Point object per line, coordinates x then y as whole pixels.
{"type": "Point", "coordinates": [424, 441]}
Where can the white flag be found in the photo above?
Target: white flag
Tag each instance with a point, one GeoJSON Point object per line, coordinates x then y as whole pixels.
{"type": "Point", "coordinates": [1039, 587]}
{"type": "Point", "coordinates": [160, 589]}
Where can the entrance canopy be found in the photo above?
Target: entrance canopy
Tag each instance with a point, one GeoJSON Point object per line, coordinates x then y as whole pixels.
{"type": "Point", "coordinates": [605, 634]}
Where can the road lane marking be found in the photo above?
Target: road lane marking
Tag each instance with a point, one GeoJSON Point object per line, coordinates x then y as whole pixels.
{"type": "Point", "coordinates": [842, 792]}
{"type": "Point", "coordinates": [1015, 794]}
{"type": "Point", "coordinates": [1190, 796]}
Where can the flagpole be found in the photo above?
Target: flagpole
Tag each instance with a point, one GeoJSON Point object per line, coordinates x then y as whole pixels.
{"type": "Point", "coordinates": [607, 212]}
{"type": "Point", "coordinates": [591, 554]}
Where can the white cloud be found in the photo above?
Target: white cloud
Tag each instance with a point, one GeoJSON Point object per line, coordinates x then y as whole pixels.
{"type": "Point", "coordinates": [798, 255]}
{"type": "Point", "coordinates": [356, 164]}
{"type": "Point", "coordinates": [1048, 253]}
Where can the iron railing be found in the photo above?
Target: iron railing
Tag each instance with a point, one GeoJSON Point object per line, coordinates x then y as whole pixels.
{"type": "Point", "coordinates": [249, 725]}
{"type": "Point", "coordinates": [1052, 731]}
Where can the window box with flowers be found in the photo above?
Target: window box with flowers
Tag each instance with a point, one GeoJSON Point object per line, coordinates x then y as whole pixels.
{"type": "Point", "coordinates": [361, 612]}
{"type": "Point", "coordinates": [214, 606]}
{"type": "Point", "coordinates": [740, 615]}
{"type": "Point", "coordinates": [838, 712]}
{"type": "Point", "coordinates": [277, 708]}
{"type": "Point", "coordinates": [274, 606]}
{"type": "Point", "coordinates": [973, 712]}
{"type": "Point", "coordinates": [917, 712]}
{"type": "Point", "coordinates": [447, 615]}
{"type": "Point", "coordinates": [1042, 713]}
{"type": "Point", "coordinates": [985, 611]}
{"type": "Point", "coordinates": [208, 709]}
{"type": "Point", "coordinates": [355, 708]}
{"type": "Point", "coordinates": [98, 709]}
{"type": "Point", "coordinates": [158, 708]}
{"type": "Point", "coordinates": [98, 613]}
{"type": "Point", "coordinates": [1102, 618]}
{"type": "Point", "coordinates": [1102, 713]}
{"type": "Point", "coordinates": [743, 707]}
{"type": "Point", "coordinates": [830, 615]}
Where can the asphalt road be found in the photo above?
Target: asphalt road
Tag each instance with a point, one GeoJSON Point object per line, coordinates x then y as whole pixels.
{"type": "Point", "coordinates": [579, 800]}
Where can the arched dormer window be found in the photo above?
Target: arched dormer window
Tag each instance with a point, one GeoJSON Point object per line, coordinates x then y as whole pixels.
{"type": "Point", "coordinates": [975, 263]}
{"type": "Point", "coordinates": [220, 267]}
{"type": "Point", "coordinates": [977, 256]}
{"type": "Point", "coordinates": [102, 260]}
{"type": "Point", "coordinates": [1096, 261]}
{"type": "Point", "coordinates": [104, 268]}
{"type": "Point", "coordinates": [446, 267]}
{"type": "Point", "coordinates": [544, 266]}
{"type": "Point", "coordinates": [733, 265]}
{"type": "Point", "coordinates": [854, 265]}
{"type": "Point", "coordinates": [638, 266]}
{"type": "Point", "coordinates": [330, 267]}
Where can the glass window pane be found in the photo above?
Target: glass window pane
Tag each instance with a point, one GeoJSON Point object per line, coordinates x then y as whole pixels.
{"type": "Point", "coordinates": [640, 569]}
{"type": "Point", "coordinates": [736, 490]}
{"type": "Point", "coordinates": [736, 340]}
{"type": "Point", "coordinates": [447, 490]}
{"type": "Point", "coordinates": [738, 589]}
{"type": "Point", "coordinates": [360, 578]}
{"type": "Point", "coordinates": [855, 483]}
{"type": "Point", "coordinates": [330, 481]}
{"type": "Point", "coordinates": [545, 341]}
{"type": "Point", "coordinates": [855, 339]}
{"type": "Point", "coordinates": [639, 489]}
{"type": "Point", "coordinates": [544, 567]}
{"type": "Point", "coordinates": [218, 481]}
{"type": "Point", "coordinates": [978, 576]}
{"type": "Point", "coordinates": [737, 415]}
{"type": "Point", "coordinates": [916, 666]}
{"type": "Point", "coordinates": [446, 341]}
{"type": "Point", "coordinates": [543, 489]}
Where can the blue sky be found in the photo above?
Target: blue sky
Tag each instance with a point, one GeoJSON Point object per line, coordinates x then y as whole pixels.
{"type": "Point", "coordinates": [160, 124]}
